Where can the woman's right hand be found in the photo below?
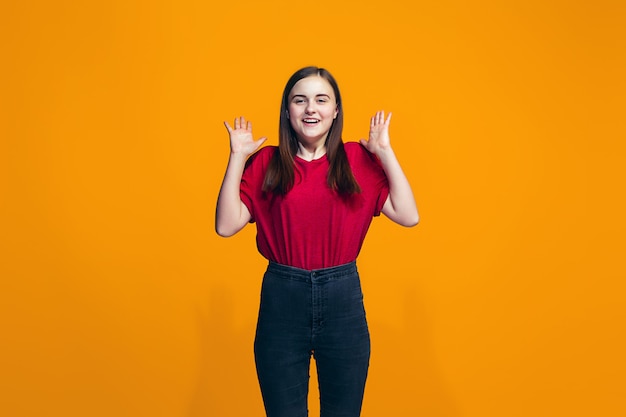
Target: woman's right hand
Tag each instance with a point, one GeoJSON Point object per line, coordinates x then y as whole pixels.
{"type": "Point", "coordinates": [241, 139]}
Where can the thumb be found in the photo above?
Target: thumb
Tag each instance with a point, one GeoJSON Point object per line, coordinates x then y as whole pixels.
{"type": "Point", "coordinates": [363, 142]}
{"type": "Point", "coordinates": [259, 142]}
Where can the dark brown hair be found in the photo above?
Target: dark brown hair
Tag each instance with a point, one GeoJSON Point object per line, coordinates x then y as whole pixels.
{"type": "Point", "coordinates": [279, 178]}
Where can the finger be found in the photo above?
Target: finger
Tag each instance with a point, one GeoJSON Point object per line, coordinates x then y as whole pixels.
{"type": "Point", "coordinates": [373, 121]}
{"type": "Point", "coordinates": [388, 119]}
{"type": "Point", "coordinates": [236, 123]}
{"type": "Point", "coordinates": [230, 129]}
{"type": "Point", "coordinates": [249, 125]}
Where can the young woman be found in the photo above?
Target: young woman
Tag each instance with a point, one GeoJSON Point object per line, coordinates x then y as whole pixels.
{"type": "Point", "coordinates": [312, 199]}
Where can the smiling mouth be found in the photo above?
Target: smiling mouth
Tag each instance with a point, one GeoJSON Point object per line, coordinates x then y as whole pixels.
{"type": "Point", "coordinates": [311, 121]}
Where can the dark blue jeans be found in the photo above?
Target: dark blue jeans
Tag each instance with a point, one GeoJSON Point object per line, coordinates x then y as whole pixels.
{"type": "Point", "coordinates": [317, 313]}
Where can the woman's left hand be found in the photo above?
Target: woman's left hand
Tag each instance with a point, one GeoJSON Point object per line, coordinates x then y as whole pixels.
{"type": "Point", "coordinates": [379, 134]}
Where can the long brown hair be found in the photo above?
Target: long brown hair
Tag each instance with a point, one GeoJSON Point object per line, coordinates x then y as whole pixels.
{"type": "Point", "coordinates": [279, 178]}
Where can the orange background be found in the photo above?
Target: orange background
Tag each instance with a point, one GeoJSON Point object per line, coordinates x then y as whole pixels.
{"type": "Point", "coordinates": [118, 299]}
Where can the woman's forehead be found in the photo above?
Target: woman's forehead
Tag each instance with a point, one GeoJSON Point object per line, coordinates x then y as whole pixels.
{"type": "Point", "coordinates": [312, 85]}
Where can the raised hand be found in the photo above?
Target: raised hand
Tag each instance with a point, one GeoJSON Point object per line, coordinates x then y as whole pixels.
{"type": "Point", "coordinates": [241, 139]}
{"type": "Point", "coordinates": [379, 133]}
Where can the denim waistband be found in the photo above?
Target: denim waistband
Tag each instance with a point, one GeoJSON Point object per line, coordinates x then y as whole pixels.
{"type": "Point", "coordinates": [323, 274]}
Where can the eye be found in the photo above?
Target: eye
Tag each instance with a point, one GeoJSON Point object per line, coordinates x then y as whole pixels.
{"type": "Point", "coordinates": [298, 100]}
{"type": "Point", "coordinates": [322, 100]}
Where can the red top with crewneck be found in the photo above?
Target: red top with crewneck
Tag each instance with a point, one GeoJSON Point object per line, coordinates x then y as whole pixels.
{"type": "Point", "coordinates": [312, 226]}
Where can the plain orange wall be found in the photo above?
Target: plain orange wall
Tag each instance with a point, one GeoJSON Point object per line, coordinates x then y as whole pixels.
{"type": "Point", "coordinates": [118, 299]}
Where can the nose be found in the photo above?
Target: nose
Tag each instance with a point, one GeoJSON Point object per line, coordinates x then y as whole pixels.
{"type": "Point", "coordinates": [310, 107]}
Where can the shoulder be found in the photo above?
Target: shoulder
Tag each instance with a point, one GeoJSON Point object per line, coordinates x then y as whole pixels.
{"type": "Point", "coordinates": [368, 170]}
{"type": "Point", "coordinates": [358, 155]}
{"type": "Point", "coordinates": [353, 148]}
{"type": "Point", "coordinates": [266, 152]}
{"type": "Point", "coordinates": [262, 156]}
{"type": "Point", "coordinates": [257, 164]}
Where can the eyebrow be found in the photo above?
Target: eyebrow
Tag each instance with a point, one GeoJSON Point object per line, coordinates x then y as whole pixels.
{"type": "Point", "coordinates": [317, 95]}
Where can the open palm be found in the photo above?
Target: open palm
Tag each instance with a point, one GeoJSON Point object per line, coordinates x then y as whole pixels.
{"type": "Point", "coordinates": [241, 139]}
{"type": "Point", "coordinates": [379, 133]}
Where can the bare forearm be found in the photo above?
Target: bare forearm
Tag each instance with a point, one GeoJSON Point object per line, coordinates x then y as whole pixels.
{"type": "Point", "coordinates": [400, 206]}
{"type": "Point", "coordinates": [231, 215]}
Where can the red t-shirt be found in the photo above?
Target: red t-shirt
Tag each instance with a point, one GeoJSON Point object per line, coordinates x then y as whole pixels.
{"type": "Point", "coordinates": [312, 227]}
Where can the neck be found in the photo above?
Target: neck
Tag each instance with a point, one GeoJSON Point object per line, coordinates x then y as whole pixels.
{"type": "Point", "coordinates": [311, 151]}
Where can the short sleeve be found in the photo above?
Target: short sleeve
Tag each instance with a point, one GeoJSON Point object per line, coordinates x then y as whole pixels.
{"type": "Point", "coordinates": [369, 173]}
{"type": "Point", "coordinates": [382, 184]}
{"type": "Point", "coordinates": [250, 189]}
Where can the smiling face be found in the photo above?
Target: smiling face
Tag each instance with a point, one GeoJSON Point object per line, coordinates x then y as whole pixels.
{"type": "Point", "coordinates": [312, 109]}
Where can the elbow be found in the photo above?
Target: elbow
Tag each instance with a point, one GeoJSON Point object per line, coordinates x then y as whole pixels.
{"type": "Point", "coordinates": [412, 221]}
{"type": "Point", "coordinates": [228, 229]}
{"type": "Point", "coordinates": [223, 231]}
{"type": "Point", "coordinates": [406, 220]}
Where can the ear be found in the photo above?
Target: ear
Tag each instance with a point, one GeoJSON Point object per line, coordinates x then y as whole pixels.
{"type": "Point", "coordinates": [287, 114]}
{"type": "Point", "coordinates": [336, 112]}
